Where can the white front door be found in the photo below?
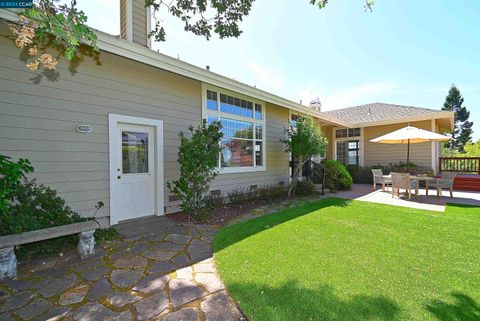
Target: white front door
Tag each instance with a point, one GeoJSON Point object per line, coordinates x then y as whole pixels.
{"type": "Point", "coordinates": [135, 171]}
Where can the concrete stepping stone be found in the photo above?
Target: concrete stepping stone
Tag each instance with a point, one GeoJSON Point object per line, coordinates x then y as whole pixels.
{"type": "Point", "coordinates": [186, 314]}
{"type": "Point", "coordinates": [151, 307]}
{"type": "Point", "coordinates": [217, 307]}
{"type": "Point", "coordinates": [184, 291]}
{"type": "Point", "coordinates": [21, 284]}
{"type": "Point", "coordinates": [169, 247]}
{"type": "Point", "coordinates": [185, 273]}
{"type": "Point", "coordinates": [33, 309]}
{"type": "Point", "coordinates": [124, 316]}
{"type": "Point", "coordinates": [151, 283]}
{"type": "Point", "coordinates": [126, 278]}
{"type": "Point", "coordinates": [16, 301]}
{"type": "Point", "coordinates": [6, 317]}
{"type": "Point", "coordinates": [130, 262]}
{"type": "Point", "coordinates": [94, 311]}
{"type": "Point", "coordinates": [204, 268]}
{"type": "Point", "coordinates": [120, 299]}
{"type": "Point", "coordinates": [74, 296]}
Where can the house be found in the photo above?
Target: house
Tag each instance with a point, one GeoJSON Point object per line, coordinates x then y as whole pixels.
{"type": "Point", "coordinates": [109, 132]}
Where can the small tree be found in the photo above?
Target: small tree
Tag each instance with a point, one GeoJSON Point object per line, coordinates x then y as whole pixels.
{"type": "Point", "coordinates": [304, 140]}
{"type": "Point", "coordinates": [198, 159]}
{"type": "Point", "coordinates": [462, 129]}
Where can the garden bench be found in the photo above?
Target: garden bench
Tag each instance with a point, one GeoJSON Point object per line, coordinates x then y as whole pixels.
{"type": "Point", "coordinates": [86, 243]}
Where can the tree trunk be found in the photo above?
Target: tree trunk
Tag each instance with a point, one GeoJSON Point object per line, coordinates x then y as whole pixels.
{"type": "Point", "coordinates": [294, 181]}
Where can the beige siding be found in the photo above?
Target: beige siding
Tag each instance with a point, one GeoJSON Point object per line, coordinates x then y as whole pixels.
{"type": "Point", "coordinates": [38, 122]}
{"type": "Point", "coordinates": [374, 153]}
{"type": "Point", "coordinates": [138, 24]}
{"type": "Point", "coordinates": [327, 131]}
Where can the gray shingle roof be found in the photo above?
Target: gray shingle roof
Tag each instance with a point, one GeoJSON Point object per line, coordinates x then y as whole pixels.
{"type": "Point", "coordinates": [377, 112]}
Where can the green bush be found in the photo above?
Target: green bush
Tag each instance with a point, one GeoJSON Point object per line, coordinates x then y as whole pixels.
{"type": "Point", "coordinates": [239, 195]}
{"type": "Point", "coordinates": [271, 192]}
{"type": "Point", "coordinates": [214, 201]}
{"type": "Point", "coordinates": [304, 188]}
{"type": "Point", "coordinates": [337, 177]}
{"type": "Point", "coordinates": [363, 174]}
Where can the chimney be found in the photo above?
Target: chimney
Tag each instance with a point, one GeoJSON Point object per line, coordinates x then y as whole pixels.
{"type": "Point", "coordinates": [135, 22]}
{"type": "Point", "coordinates": [315, 104]}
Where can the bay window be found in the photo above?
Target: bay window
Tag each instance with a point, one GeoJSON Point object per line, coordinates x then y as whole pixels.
{"type": "Point", "coordinates": [243, 127]}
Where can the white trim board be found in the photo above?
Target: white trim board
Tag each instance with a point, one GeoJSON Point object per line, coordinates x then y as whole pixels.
{"type": "Point", "coordinates": [113, 120]}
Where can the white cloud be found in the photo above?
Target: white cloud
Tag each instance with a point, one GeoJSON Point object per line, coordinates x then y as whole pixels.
{"type": "Point", "coordinates": [265, 76]}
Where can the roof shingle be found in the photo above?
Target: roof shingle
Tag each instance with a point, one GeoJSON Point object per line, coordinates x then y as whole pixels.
{"type": "Point", "coordinates": [377, 112]}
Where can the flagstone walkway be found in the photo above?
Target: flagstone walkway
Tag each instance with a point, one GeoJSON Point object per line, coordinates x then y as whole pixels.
{"type": "Point", "coordinates": [147, 276]}
{"type": "Point", "coordinates": [160, 270]}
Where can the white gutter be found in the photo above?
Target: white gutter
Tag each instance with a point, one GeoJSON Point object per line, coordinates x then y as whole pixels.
{"type": "Point", "coordinates": [147, 56]}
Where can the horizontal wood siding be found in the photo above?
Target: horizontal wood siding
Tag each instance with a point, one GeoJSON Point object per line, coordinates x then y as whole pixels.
{"type": "Point", "coordinates": [38, 122]}
{"type": "Point", "coordinates": [139, 22]}
{"type": "Point", "coordinates": [375, 153]}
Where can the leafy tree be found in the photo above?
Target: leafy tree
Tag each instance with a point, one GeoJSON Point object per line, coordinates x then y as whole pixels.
{"type": "Point", "coordinates": [462, 130]}
{"type": "Point", "coordinates": [304, 140]}
{"type": "Point", "coordinates": [10, 175]}
{"type": "Point", "coordinates": [472, 149]}
{"type": "Point", "coordinates": [198, 159]}
{"type": "Point", "coordinates": [63, 25]}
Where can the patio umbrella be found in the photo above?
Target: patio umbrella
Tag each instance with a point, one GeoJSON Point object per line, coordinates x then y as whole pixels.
{"type": "Point", "coordinates": [410, 135]}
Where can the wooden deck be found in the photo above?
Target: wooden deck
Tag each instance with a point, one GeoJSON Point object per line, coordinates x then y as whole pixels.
{"type": "Point", "coordinates": [467, 182]}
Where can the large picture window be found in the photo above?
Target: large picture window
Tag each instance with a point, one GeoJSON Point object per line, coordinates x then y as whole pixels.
{"type": "Point", "coordinates": [243, 127]}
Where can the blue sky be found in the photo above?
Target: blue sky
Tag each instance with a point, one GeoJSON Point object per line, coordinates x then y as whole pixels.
{"type": "Point", "coordinates": [404, 52]}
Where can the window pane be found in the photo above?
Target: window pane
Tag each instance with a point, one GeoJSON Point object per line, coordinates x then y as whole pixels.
{"type": "Point", "coordinates": [341, 133]}
{"type": "Point", "coordinates": [354, 132]}
{"type": "Point", "coordinates": [342, 149]}
{"type": "Point", "coordinates": [212, 104]}
{"type": "Point", "coordinates": [211, 119]}
{"type": "Point", "coordinates": [258, 131]}
{"type": "Point", "coordinates": [236, 106]}
{"type": "Point", "coordinates": [236, 128]}
{"type": "Point", "coordinates": [258, 111]}
{"type": "Point", "coordinates": [236, 153]}
{"type": "Point", "coordinates": [134, 152]}
{"type": "Point", "coordinates": [259, 153]}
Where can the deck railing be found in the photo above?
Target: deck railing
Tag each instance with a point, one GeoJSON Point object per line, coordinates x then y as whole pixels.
{"type": "Point", "coordinates": [460, 164]}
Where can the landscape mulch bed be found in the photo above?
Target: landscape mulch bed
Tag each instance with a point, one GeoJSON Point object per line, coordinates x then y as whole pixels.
{"type": "Point", "coordinates": [219, 216]}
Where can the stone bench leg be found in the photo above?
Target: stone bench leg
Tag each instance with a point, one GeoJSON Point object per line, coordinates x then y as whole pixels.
{"type": "Point", "coordinates": [8, 263]}
{"type": "Point", "coordinates": [86, 244]}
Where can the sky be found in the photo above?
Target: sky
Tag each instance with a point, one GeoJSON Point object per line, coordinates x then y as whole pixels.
{"type": "Point", "coordinates": [405, 52]}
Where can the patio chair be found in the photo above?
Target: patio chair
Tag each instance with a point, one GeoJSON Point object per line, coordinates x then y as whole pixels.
{"type": "Point", "coordinates": [403, 181]}
{"type": "Point", "coordinates": [378, 178]}
{"type": "Point", "coordinates": [445, 181]}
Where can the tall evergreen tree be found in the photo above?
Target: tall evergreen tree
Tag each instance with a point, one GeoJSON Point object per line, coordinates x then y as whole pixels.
{"type": "Point", "coordinates": [462, 129]}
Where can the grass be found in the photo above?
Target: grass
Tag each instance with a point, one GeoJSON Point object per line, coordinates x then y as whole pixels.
{"type": "Point", "coordinates": [346, 260]}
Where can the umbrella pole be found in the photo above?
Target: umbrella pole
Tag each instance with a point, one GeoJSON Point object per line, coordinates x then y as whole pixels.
{"type": "Point", "coordinates": [408, 152]}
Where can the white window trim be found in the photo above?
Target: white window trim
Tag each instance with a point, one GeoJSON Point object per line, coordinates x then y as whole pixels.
{"type": "Point", "coordinates": [361, 158]}
{"type": "Point", "coordinates": [206, 112]}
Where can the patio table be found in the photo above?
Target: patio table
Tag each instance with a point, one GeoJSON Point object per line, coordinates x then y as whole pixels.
{"type": "Point", "coordinates": [422, 178]}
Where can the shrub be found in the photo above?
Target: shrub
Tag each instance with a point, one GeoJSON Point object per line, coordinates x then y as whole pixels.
{"type": "Point", "coordinates": [239, 195]}
{"type": "Point", "coordinates": [304, 188]}
{"type": "Point", "coordinates": [214, 201]}
{"type": "Point", "coordinates": [198, 158]}
{"type": "Point", "coordinates": [35, 207]}
{"type": "Point", "coordinates": [337, 177]}
{"type": "Point", "coordinates": [363, 175]}
{"type": "Point", "coordinates": [271, 192]}
{"type": "Point", "coordinates": [10, 175]}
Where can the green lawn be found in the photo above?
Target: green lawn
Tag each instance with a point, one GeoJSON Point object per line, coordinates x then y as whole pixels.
{"type": "Point", "coordinates": [341, 260]}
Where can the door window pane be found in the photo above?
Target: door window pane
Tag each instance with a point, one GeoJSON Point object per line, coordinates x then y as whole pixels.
{"type": "Point", "coordinates": [237, 153]}
{"type": "Point", "coordinates": [134, 152]}
{"type": "Point", "coordinates": [259, 153]}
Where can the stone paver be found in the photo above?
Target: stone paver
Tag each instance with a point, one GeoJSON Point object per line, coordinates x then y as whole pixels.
{"type": "Point", "coordinates": [33, 309]}
{"type": "Point", "coordinates": [160, 270]}
{"type": "Point", "coordinates": [94, 311]}
{"type": "Point", "coordinates": [151, 307]}
{"type": "Point", "coordinates": [219, 308]}
{"type": "Point", "coordinates": [184, 291]}
{"type": "Point", "coordinates": [151, 283]}
{"type": "Point", "coordinates": [186, 314]}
